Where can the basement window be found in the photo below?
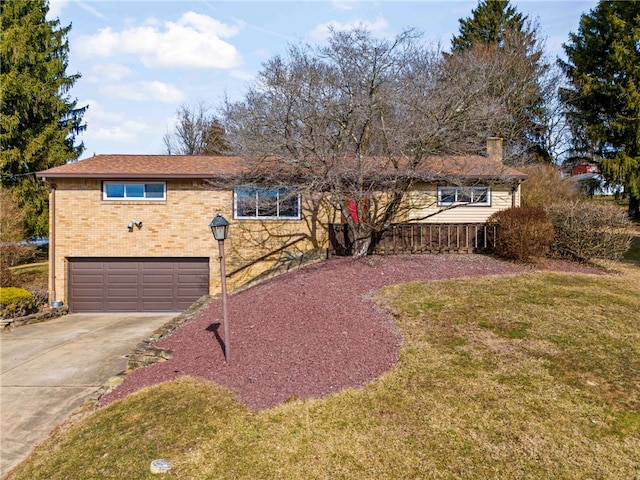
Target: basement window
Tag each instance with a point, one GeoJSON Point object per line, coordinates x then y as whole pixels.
{"type": "Point", "coordinates": [473, 196]}
{"type": "Point", "coordinates": [134, 191]}
{"type": "Point", "coordinates": [266, 203]}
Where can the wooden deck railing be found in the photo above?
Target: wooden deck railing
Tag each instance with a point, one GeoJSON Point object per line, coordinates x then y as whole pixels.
{"type": "Point", "coordinates": [418, 238]}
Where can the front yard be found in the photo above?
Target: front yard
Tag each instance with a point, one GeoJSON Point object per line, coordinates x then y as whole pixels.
{"type": "Point", "coordinates": [534, 375]}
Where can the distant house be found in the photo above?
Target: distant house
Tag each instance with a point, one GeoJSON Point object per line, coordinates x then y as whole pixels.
{"type": "Point", "coordinates": [583, 168]}
{"type": "Point", "coordinates": [131, 232]}
{"type": "Point", "coordinates": [590, 181]}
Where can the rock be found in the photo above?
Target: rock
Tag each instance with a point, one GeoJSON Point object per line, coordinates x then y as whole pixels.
{"type": "Point", "coordinates": [161, 465]}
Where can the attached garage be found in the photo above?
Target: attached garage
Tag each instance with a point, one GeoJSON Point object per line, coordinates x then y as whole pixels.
{"type": "Point", "coordinates": [110, 284]}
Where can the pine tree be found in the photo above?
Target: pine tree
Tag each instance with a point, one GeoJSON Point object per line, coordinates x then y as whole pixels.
{"type": "Point", "coordinates": [603, 99]}
{"type": "Point", "coordinates": [39, 121]}
{"type": "Point", "coordinates": [488, 24]}
{"type": "Point", "coordinates": [497, 31]}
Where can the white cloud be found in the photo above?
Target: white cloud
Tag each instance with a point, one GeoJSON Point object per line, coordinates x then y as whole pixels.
{"type": "Point", "coordinates": [113, 127]}
{"type": "Point", "coordinates": [345, 4]}
{"type": "Point", "coordinates": [112, 71]}
{"type": "Point", "coordinates": [321, 32]}
{"type": "Point", "coordinates": [98, 113]}
{"type": "Point", "coordinates": [93, 11]}
{"type": "Point", "coordinates": [142, 91]}
{"type": "Point", "coordinates": [55, 7]}
{"type": "Point", "coordinates": [112, 133]}
{"type": "Point", "coordinates": [195, 40]}
{"type": "Point", "coordinates": [99, 45]}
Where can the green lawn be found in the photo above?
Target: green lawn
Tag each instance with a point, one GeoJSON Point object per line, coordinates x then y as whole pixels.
{"type": "Point", "coordinates": [633, 254]}
{"type": "Point", "coordinates": [33, 275]}
{"type": "Point", "coordinates": [518, 377]}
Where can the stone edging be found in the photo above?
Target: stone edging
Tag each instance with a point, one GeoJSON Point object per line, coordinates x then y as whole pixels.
{"type": "Point", "coordinates": [46, 314]}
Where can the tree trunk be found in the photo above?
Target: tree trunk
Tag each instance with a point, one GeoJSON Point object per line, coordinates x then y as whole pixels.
{"type": "Point", "coordinates": [634, 207]}
{"type": "Point", "coordinates": [361, 247]}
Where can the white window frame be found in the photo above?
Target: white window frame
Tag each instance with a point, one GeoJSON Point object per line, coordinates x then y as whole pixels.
{"type": "Point", "coordinates": [473, 192]}
{"type": "Point", "coordinates": [144, 197]}
{"type": "Point", "coordinates": [256, 193]}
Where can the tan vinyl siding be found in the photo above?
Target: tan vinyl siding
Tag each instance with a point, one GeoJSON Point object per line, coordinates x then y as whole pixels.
{"type": "Point", "coordinates": [423, 204]}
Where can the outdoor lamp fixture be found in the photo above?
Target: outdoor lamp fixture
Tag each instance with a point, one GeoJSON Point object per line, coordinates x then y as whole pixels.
{"type": "Point", "coordinates": [220, 229]}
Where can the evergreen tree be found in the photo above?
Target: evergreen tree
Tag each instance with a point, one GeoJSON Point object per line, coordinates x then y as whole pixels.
{"type": "Point", "coordinates": [39, 121]}
{"type": "Point", "coordinates": [498, 32]}
{"type": "Point", "coordinates": [488, 24]}
{"type": "Point", "coordinates": [603, 99]}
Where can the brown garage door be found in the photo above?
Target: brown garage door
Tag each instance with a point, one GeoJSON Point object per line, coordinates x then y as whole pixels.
{"type": "Point", "coordinates": [136, 284]}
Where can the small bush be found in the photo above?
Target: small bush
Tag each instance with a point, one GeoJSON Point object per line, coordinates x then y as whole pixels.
{"type": "Point", "coordinates": [6, 277]}
{"type": "Point", "coordinates": [523, 233]}
{"type": "Point", "coordinates": [544, 186]}
{"type": "Point", "coordinates": [16, 302]}
{"type": "Point", "coordinates": [40, 296]}
{"type": "Point", "coordinates": [12, 254]}
{"type": "Point", "coordinates": [588, 230]}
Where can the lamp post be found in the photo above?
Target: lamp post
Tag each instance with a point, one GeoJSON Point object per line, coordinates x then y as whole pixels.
{"type": "Point", "coordinates": [220, 229]}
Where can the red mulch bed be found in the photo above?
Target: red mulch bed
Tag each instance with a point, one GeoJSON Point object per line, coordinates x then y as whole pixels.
{"type": "Point", "coordinates": [307, 333]}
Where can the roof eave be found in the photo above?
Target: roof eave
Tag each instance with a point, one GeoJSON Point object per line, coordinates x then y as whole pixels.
{"type": "Point", "coordinates": [465, 177]}
{"type": "Point", "coordinates": [129, 176]}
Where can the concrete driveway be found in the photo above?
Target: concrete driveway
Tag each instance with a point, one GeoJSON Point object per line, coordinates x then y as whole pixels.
{"type": "Point", "coordinates": [47, 370]}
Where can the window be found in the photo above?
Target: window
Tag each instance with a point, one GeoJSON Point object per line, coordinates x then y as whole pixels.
{"type": "Point", "coordinates": [260, 202]}
{"type": "Point", "coordinates": [134, 191]}
{"type": "Point", "coordinates": [480, 196]}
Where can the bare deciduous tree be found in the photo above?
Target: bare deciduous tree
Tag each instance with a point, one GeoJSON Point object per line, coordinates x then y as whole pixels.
{"type": "Point", "coordinates": [508, 82]}
{"type": "Point", "coordinates": [197, 132]}
{"type": "Point", "coordinates": [357, 121]}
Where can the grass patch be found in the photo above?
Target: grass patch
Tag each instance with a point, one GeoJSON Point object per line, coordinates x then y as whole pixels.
{"type": "Point", "coordinates": [633, 254]}
{"type": "Point", "coordinates": [42, 267]}
{"type": "Point", "coordinates": [528, 377]}
{"type": "Point", "coordinates": [33, 275]}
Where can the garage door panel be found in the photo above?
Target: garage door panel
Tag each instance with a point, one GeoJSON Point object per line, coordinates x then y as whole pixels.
{"type": "Point", "coordinates": [162, 278]}
{"type": "Point", "coordinates": [159, 265]}
{"type": "Point", "coordinates": [120, 292]}
{"type": "Point", "coordinates": [89, 267]}
{"type": "Point", "coordinates": [159, 293]}
{"type": "Point", "coordinates": [113, 305]}
{"type": "Point", "coordinates": [90, 278]}
{"type": "Point", "coordinates": [191, 269]}
{"type": "Point", "coordinates": [193, 277]}
{"type": "Point", "coordinates": [90, 292]}
{"type": "Point", "coordinates": [190, 291]}
{"type": "Point", "coordinates": [89, 306]}
{"type": "Point", "coordinates": [136, 284]}
{"type": "Point", "coordinates": [122, 279]}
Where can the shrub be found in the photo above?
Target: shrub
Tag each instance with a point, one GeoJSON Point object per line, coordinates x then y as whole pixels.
{"type": "Point", "coordinates": [6, 277]}
{"type": "Point", "coordinates": [544, 186]}
{"type": "Point", "coordinates": [16, 302]}
{"type": "Point", "coordinates": [523, 233]}
{"type": "Point", "coordinates": [587, 230]}
{"type": "Point", "coordinates": [12, 254]}
{"type": "Point", "coordinates": [40, 296]}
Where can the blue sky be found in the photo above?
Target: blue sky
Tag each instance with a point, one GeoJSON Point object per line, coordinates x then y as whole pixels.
{"type": "Point", "coordinates": [140, 60]}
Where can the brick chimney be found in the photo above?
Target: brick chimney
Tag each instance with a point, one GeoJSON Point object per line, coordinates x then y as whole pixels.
{"type": "Point", "coordinates": [494, 149]}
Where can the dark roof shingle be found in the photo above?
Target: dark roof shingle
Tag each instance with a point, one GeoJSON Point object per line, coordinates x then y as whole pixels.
{"type": "Point", "coordinates": [147, 166]}
{"type": "Point", "coordinates": [218, 167]}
